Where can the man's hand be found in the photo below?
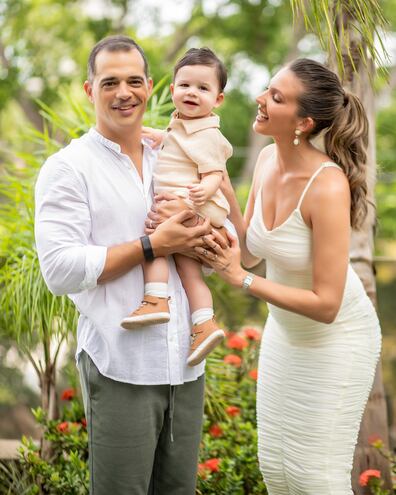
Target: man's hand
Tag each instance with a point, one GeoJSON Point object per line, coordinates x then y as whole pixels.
{"type": "Point", "coordinates": [171, 236]}
{"type": "Point", "coordinates": [165, 205]}
{"type": "Point", "coordinates": [198, 194]}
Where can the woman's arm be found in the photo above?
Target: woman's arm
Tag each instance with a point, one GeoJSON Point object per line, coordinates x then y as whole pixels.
{"type": "Point", "coordinates": [240, 221]}
{"type": "Point", "coordinates": [329, 205]}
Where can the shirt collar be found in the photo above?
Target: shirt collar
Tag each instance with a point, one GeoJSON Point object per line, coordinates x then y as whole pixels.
{"type": "Point", "coordinates": [94, 134]}
{"type": "Point", "coordinates": [194, 125]}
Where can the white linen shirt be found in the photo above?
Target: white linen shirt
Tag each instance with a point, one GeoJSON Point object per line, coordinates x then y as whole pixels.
{"type": "Point", "coordinates": [89, 196]}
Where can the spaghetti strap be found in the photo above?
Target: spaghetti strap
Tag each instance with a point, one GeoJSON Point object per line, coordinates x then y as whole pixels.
{"type": "Point", "coordinates": [313, 177]}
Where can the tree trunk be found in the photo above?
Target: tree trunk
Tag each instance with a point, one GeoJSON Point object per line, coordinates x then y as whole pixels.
{"type": "Point", "coordinates": [374, 420]}
{"type": "Point", "coordinates": [49, 404]}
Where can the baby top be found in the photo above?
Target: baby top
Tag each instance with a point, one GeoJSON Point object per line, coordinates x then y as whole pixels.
{"type": "Point", "coordinates": [190, 148]}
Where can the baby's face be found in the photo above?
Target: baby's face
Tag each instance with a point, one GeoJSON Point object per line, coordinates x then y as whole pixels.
{"type": "Point", "coordinates": [195, 91]}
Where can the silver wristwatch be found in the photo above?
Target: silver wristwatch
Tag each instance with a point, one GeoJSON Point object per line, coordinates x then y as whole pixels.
{"type": "Point", "coordinates": [247, 281]}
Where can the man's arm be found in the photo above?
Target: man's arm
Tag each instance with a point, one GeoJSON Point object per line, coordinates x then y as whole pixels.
{"type": "Point", "coordinates": [170, 237]}
{"type": "Point", "coordinates": [63, 226]}
{"type": "Point", "coordinates": [69, 263]}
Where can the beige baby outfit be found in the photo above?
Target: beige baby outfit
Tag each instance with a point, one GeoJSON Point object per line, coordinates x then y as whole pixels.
{"type": "Point", "coordinates": [190, 148]}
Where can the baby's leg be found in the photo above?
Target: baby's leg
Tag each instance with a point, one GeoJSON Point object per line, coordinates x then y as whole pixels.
{"type": "Point", "coordinates": [198, 293]}
{"type": "Point", "coordinates": [206, 334]}
{"type": "Point", "coordinates": [154, 308]}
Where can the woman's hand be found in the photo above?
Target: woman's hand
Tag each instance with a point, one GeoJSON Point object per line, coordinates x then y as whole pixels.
{"type": "Point", "coordinates": [223, 258]}
{"type": "Point", "coordinates": [171, 236]}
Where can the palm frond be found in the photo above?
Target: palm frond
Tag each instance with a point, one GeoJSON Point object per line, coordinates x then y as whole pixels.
{"type": "Point", "coordinates": [341, 25]}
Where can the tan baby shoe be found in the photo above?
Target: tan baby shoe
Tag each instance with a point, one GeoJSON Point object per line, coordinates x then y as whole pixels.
{"type": "Point", "coordinates": [153, 311]}
{"type": "Point", "coordinates": [204, 338]}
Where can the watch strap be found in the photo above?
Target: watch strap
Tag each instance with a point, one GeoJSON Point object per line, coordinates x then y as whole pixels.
{"type": "Point", "coordinates": [147, 248]}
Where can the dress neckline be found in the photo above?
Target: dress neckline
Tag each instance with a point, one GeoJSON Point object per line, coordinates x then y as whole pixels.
{"type": "Point", "coordinates": [298, 207]}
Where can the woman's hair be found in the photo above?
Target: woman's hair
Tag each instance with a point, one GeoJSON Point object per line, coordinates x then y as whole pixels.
{"type": "Point", "coordinates": [342, 116]}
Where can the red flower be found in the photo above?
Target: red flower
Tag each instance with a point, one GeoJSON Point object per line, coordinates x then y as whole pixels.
{"type": "Point", "coordinates": [84, 422]}
{"type": "Point", "coordinates": [233, 411]}
{"type": "Point", "coordinates": [213, 465]}
{"type": "Point", "coordinates": [375, 440]}
{"type": "Point", "coordinates": [63, 427]}
{"type": "Point", "coordinates": [253, 374]}
{"type": "Point", "coordinates": [215, 431]}
{"type": "Point", "coordinates": [236, 342]}
{"type": "Point", "coordinates": [233, 359]}
{"type": "Point", "coordinates": [364, 478]}
{"type": "Point", "coordinates": [251, 333]}
{"type": "Point", "coordinates": [202, 471]}
{"type": "Point", "coordinates": [68, 394]}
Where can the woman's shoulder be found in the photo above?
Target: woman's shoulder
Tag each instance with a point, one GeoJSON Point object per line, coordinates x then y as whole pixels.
{"type": "Point", "coordinates": [267, 151]}
{"type": "Point", "coordinates": [330, 183]}
{"type": "Point", "coordinates": [265, 154]}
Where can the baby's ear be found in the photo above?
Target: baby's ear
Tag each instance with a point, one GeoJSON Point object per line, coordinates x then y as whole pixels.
{"type": "Point", "coordinates": [171, 87]}
{"type": "Point", "coordinates": [219, 100]}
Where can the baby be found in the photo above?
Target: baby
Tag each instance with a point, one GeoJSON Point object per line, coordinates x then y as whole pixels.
{"type": "Point", "coordinates": [190, 164]}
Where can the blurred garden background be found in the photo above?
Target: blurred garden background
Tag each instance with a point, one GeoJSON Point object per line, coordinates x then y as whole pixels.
{"type": "Point", "coordinates": [44, 46]}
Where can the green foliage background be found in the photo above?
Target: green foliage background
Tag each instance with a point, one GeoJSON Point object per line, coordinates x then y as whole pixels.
{"type": "Point", "coordinates": [44, 46]}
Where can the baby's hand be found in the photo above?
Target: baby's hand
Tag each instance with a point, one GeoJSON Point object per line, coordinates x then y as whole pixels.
{"type": "Point", "coordinates": [197, 194]}
{"type": "Point", "coordinates": [155, 135]}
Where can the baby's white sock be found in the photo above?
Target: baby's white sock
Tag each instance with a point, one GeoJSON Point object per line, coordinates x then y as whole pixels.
{"type": "Point", "coordinates": [201, 315]}
{"type": "Point", "coordinates": [158, 289]}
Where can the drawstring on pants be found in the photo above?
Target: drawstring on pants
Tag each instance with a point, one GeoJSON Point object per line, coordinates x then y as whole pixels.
{"type": "Point", "coordinates": [172, 393]}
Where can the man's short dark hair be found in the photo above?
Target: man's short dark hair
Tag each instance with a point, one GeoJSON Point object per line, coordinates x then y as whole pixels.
{"type": "Point", "coordinates": [203, 56]}
{"type": "Point", "coordinates": [117, 43]}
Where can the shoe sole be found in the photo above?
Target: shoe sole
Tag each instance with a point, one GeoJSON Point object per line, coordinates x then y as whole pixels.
{"type": "Point", "coordinates": [205, 348]}
{"type": "Point", "coordinates": [132, 322]}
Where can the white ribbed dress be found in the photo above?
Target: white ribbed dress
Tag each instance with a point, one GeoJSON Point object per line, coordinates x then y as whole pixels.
{"type": "Point", "coordinates": [314, 378]}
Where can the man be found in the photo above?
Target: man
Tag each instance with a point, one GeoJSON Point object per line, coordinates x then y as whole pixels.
{"type": "Point", "coordinates": [144, 406]}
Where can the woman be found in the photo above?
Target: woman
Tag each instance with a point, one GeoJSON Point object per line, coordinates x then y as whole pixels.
{"type": "Point", "coordinates": [322, 340]}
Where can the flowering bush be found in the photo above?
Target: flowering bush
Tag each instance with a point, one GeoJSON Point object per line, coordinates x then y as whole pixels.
{"type": "Point", "coordinates": [228, 458]}
{"type": "Point", "coordinates": [228, 462]}
{"type": "Point", "coordinates": [372, 477]}
{"type": "Point", "coordinates": [66, 470]}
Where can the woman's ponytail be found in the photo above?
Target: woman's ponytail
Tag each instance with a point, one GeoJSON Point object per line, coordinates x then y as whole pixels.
{"type": "Point", "coordinates": [346, 142]}
{"type": "Point", "coordinates": [342, 119]}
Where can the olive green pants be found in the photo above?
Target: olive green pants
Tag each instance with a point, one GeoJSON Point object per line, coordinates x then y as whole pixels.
{"type": "Point", "coordinates": [143, 439]}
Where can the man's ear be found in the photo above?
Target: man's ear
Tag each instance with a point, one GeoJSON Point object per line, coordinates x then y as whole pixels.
{"type": "Point", "coordinates": [88, 91]}
{"type": "Point", "coordinates": [150, 85]}
{"type": "Point", "coordinates": [219, 100]}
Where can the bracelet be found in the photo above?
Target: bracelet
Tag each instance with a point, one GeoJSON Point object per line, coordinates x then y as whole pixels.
{"type": "Point", "coordinates": [247, 281]}
{"type": "Point", "coordinates": [147, 249]}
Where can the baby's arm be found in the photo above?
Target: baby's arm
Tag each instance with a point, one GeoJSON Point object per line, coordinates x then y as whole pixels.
{"type": "Point", "coordinates": [155, 135]}
{"type": "Point", "coordinates": [210, 183]}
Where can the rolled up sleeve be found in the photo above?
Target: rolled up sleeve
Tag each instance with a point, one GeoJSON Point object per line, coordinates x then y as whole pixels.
{"type": "Point", "coordinates": [70, 262]}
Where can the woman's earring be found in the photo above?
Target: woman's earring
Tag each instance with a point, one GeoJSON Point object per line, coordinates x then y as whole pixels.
{"type": "Point", "coordinates": [297, 133]}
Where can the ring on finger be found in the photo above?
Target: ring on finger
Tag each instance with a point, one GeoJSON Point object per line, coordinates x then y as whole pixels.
{"type": "Point", "coordinates": [205, 252]}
